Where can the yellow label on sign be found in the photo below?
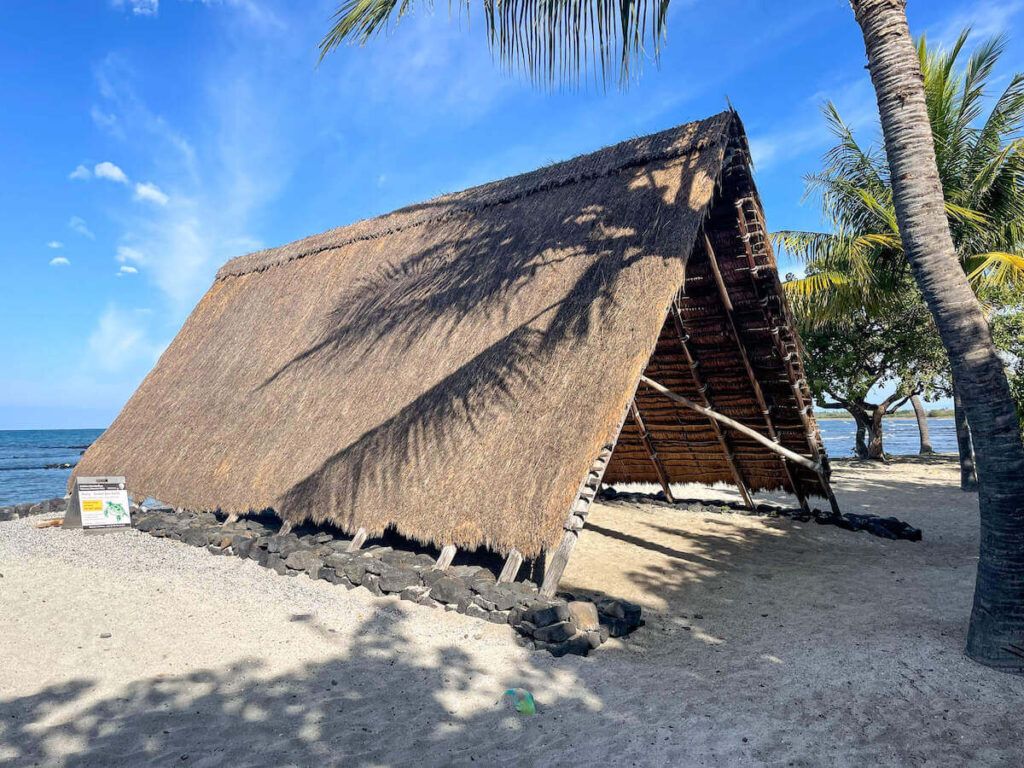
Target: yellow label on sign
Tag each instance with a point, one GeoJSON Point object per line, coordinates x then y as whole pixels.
{"type": "Point", "coordinates": [92, 505]}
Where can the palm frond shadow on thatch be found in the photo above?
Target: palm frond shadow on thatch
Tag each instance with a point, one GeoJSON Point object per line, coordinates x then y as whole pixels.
{"type": "Point", "coordinates": [433, 293]}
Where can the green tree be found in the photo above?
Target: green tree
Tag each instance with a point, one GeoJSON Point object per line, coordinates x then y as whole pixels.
{"type": "Point", "coordinates": [558, 39]}
{"type": "Point", "coordinates": [848, 359]}
{"type": "Point", "coordinates": [860, 265]}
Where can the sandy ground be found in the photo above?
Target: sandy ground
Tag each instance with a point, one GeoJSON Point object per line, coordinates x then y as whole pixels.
{"type": "Point", "coordinates": [768, 642]}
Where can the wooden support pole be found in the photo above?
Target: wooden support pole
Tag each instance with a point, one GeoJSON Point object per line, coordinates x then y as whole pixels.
{"type": "Point", "coordinates": [445, 558]}
{"type": "Point", "coordinates": [286, 528]}
{"type": "Point", "coordinates": [698, 381]}
{"type": "Point", "coordinates": [796, 458]}
{"type": "Point", "coordinates": [645, 439]}
{"type": "Point", "coordinates": [232, 518]}
{"type": "Point", "coordinates": [357, 541]}
{"type": "Point", "coordinates": [557, 561]}
{"type": "Point", "coordinates": [513, 563]}
{"type": "Point", "coordinates": [755, 385]}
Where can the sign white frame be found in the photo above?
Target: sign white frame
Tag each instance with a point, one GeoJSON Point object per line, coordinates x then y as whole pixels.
{"type": "Point", "coordinates": [99, 504]}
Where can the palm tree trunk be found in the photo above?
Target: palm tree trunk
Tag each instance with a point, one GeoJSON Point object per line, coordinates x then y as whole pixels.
{"type": "Point", "coordinates": [996, 633]}
{"type": "Point", "coordinates": [922, 426]}
{"type": "Point", "coordinates": [965, 447]}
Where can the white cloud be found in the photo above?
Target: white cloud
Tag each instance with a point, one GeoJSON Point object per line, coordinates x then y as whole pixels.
{"type": "Point", "coordinates": [59, 261]}
{"type": "Point", "coordinates": [121, 339]}
{"type": "Point", "coordinates": [986, 18]}
{"type": "Point", "coordinates": [150, 192]}
{"type": "Point", "coordinates": [107, 170]}
{"type": "Point", "coordinates": [80, 173]}
{"type": "Point", "coordinates": [126, 253]}
{"type": "Point", "coordinates": [127, 270]}
{"type": "Point", "coordinates": [806, 133]}
{"type": "Point", "coordinates": [183, 238]}
{"type": "Point", "coordinates": [107, 121]}
{"type": "Point", "coordinates": [138, 7]}
{"type": "Point", "coordinates": [55, 244]}
{"type": "Point", "coordinates": [78, 225]}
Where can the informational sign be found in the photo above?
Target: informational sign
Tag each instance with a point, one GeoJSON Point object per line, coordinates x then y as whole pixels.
{"type": "Point", "coordinates": [99, 503]}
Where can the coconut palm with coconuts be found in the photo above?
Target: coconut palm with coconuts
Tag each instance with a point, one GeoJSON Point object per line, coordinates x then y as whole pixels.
{"type": "Point", "coordinates": [556, 41]}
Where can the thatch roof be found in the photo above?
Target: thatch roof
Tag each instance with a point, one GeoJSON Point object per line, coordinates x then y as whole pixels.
{"type": "Point", "coordinates": [453, 368]}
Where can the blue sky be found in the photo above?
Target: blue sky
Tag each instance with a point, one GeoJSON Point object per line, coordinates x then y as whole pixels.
{"type": "Point", "coordinates": [145, 142]}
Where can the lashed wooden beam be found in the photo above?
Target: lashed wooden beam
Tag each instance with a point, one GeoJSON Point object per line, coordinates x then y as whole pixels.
{"type": "Point", "coordinates": [755, 385]}
{"type": "Point", "coordinates": [723, 442]}
{"type": "Point", "coordinates": [793, 456]}
{"type": "Point", "coordinates": [645, 439]}
{"type": "Point", "coordinates": [785, 355]}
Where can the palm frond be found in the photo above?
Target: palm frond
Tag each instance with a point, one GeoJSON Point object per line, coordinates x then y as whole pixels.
{"type": "Point", "coordinates": [550, 40]}
{"type": "Point", "coordinates": [995, 270]}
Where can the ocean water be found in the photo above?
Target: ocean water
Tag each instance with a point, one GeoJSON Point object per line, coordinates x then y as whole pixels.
{"type": "Point", "coordinates": [24, 454]}
{"type": "Point", "coordinates": [899, 436]}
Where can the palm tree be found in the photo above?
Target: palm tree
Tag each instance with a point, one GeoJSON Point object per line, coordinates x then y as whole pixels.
{"type": "Point", "coordinates": [860, 267]}
{"type": "Point", "coordinates": [559, 39]}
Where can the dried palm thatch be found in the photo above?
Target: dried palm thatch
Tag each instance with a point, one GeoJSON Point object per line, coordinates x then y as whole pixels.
{"type": "Point", "coordinates": [452, 369]}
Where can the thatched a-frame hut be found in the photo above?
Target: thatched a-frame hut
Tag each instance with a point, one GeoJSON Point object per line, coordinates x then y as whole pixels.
{"type": "Point", "coordinates": [469, 369]}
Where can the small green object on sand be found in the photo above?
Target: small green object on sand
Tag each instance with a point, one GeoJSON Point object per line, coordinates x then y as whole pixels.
{"type": "Point", "coordinates": [522, 700]}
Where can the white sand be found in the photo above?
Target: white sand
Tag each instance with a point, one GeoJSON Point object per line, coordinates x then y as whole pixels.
{"type": "Point", "coordinates": [768, 642]}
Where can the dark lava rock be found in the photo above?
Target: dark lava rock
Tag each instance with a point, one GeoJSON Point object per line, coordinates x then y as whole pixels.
{"type": "Point", "coordinates": [354, 570]}
{"type": "Point", "coordinates": [303, 560]}
{"type": "Point", "coordinates": [544, 614]}
{"type": "Point", "coordinates": [615, 627]}
{"type": "Point", "coordinates": [195, 537]}
{"type": "Point", "coordinates": [241, 545]}
{"type": "Point", "coordinates": [147, 523]}
{"type": "Point", "coordinates": [338, 560]}
{"type": "Point", "coordinates": [578, 645]}
{"type": "Point", "coordinates": [502, 596]}
{"type": "Point", "coordinates": [620, 609]}
{"type": "Point", "coordinates": [474, 611]}
{"type": "Point", "coordinates": [290, 544]}
{"type": "Point", "coordinates": [398, 579]}
{"type": "Point", "coordinates": [399, 557]}
{"type": "Point", "coordinates": [883, 527]}
{"type": "Point", "coordinates": [415, 593]}
{"type": "Point", "coordinates": [555, 633]}
{"type": "Point", "coordinates": [449, 590]}
{"type": "Point", "coordinates": [431, 577]}
{"type": "Point", "coordinates": [372, 582]}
